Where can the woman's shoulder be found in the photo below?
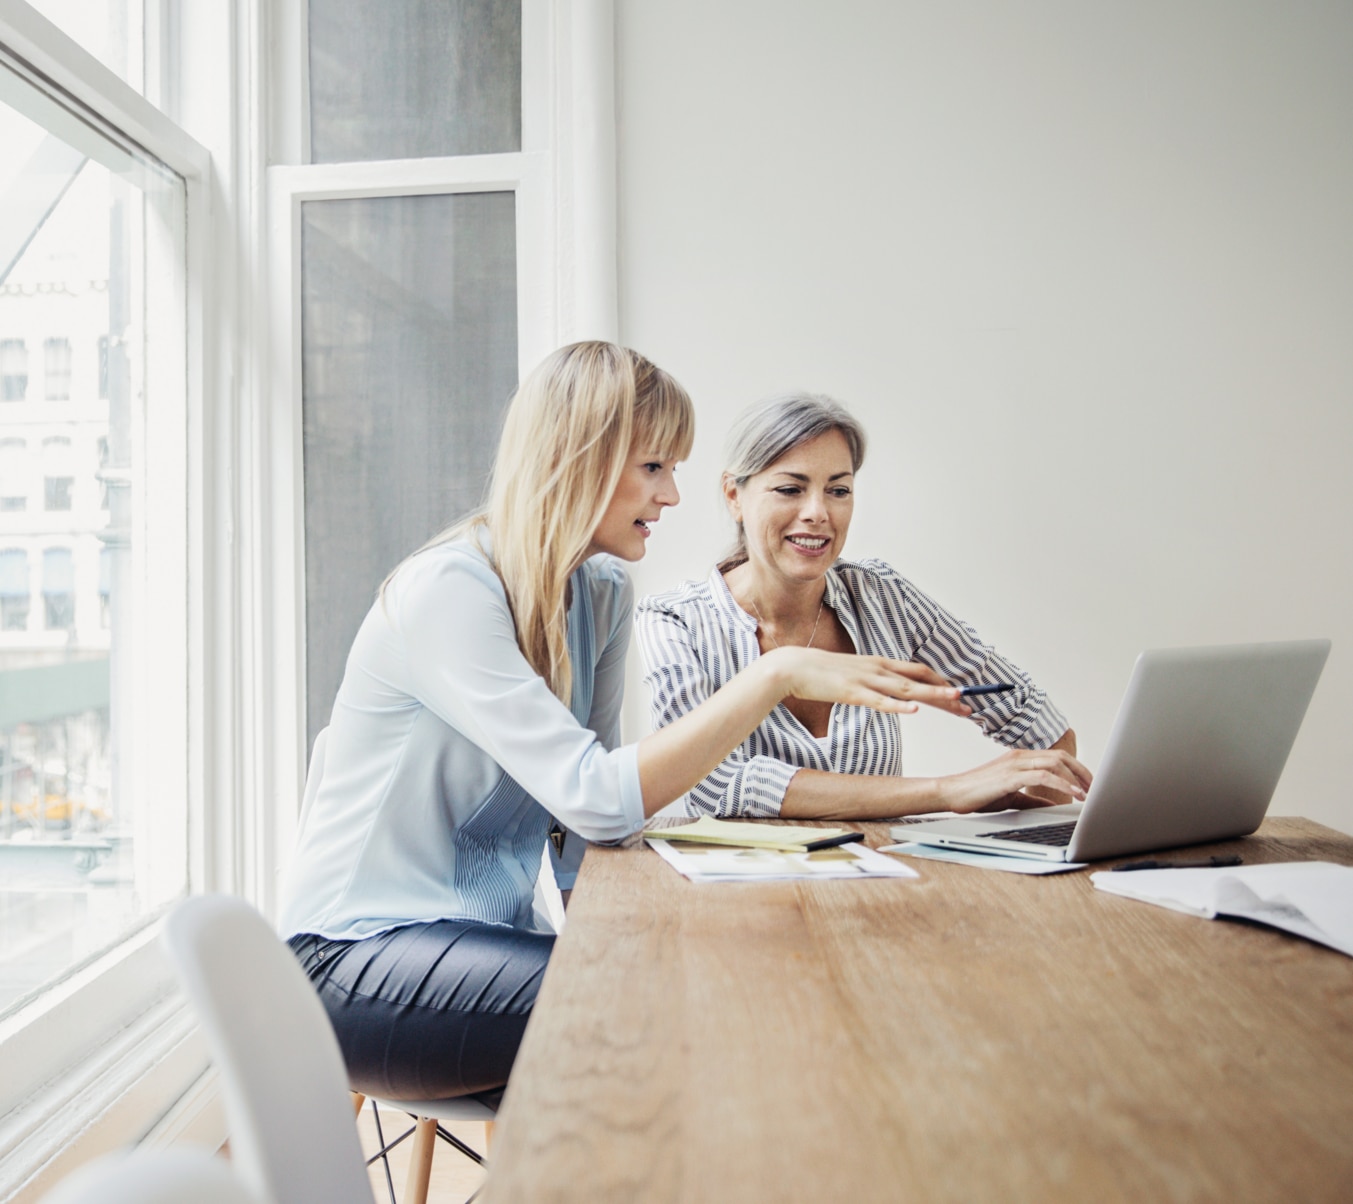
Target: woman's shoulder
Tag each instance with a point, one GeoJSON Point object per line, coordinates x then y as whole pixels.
{"type": "Point", "coordinates": [869, 575]}
{"type": "Point", "coordinates": [606, 573]}
{"type": "Point", "coordinates": [683, 599]}
{"type": "Point", "coordinates": [456, 566]}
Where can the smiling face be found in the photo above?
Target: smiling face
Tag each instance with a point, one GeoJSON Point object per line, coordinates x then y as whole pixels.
{"type": "Point", "coordinates": [796, 513]}
{"type": "Point", "coordinates": [647, 487]}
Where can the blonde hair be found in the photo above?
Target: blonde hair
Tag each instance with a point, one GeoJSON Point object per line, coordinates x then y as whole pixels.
{"type": "Point", "coordinates": [568, 433]}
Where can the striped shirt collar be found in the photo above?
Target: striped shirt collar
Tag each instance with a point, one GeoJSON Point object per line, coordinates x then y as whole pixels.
{"type": "Point", "coordinates": [838, 598]}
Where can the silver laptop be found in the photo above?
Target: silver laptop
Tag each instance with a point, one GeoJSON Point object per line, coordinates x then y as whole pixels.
{"type": "Point", "coordinates": [1195, 754]}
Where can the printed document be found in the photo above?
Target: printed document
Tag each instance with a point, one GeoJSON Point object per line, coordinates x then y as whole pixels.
{"type": "Point", "coordinates": [1313, 899]}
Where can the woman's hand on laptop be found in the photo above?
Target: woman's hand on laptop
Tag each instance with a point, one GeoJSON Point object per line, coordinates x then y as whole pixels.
{"type": "Point", "coordinates": [1019, 778]}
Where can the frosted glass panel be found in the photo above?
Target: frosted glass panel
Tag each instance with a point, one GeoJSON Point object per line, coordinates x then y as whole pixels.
{"type": "Point", "coordinates": [409, 355]}
{"type": "Point", "coordinates": [414, 79]}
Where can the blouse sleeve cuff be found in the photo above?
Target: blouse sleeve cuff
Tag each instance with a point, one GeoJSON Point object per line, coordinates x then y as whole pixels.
{"type": "Point", "coordinates": [1038, 726]}
{"type": "Point", "coordinates": [631, 792]}
{"type": "Point", "coordinates": [759, 789]}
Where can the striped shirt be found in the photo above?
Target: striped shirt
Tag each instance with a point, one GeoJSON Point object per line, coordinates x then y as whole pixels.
{"type": "Point", "coordinates": [696, 637]}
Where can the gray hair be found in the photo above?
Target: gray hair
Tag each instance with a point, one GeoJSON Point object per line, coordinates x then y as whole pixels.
{"type": "Point", "coordinates": [773, 428]}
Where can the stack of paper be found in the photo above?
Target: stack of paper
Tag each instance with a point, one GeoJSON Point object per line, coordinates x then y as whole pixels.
{"type": "Point", "coordinates": [712, 850]}
{"type": "Point", "coordinates": [984, 861]}
{"type": "Point", "coordinates": [708, 830]}
{"type": "Point", "coordinates": [1313, 899]}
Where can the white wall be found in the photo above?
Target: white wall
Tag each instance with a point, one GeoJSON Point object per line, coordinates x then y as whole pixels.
{"type": "Point", "coordinates": [1085, 272]}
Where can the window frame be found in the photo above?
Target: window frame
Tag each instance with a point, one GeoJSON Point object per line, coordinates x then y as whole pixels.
{"type": "Point", "coordinates": [564, 182]}
{"type": "Point", "coordinates": [85, 1063]}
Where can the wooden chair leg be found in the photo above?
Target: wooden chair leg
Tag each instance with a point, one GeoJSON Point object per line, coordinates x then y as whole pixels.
{"type": "Point", "coordinates": [420, 1161]}
{"type": "Point", "coordinates": [358, 1099]}
{"type": "Point", "coordinates": [488, 1137]}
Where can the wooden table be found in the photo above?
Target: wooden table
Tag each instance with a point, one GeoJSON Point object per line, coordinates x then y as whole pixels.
{"type": "Point", "coordinates": [969, 1036]}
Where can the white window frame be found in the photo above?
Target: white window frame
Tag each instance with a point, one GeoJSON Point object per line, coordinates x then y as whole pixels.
{"type": "Point", "coordinates": [565, 187]}
{"type": "Point", "coordinates": [116, 1031]}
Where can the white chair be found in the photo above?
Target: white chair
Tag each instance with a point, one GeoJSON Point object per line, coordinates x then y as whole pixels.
{"type": "Point", "coordinates": [292, 1137]}
{"type": "Point", "coordinates": [160, 1176]}
{"type": "Point", "coordinates": [425, 1113]}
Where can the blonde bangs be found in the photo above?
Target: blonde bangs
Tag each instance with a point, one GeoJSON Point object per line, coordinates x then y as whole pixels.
{"type": "Point", "coordinates": [664, 419]}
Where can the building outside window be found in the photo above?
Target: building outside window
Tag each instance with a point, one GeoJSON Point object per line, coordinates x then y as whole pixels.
{"type": "Point", "coordinates": [13, 370]}
{"type": "Point", "coordinates": [56, 368]}
{"type": "Point", "coordinates": [14, 590]}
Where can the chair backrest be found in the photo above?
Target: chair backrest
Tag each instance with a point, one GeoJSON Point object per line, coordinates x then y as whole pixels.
{"type": "Point", "coordinates": [159, 1176]}
{"type": "Point", "coordinates": [292, 1136]}
{"type": "Point", "coordinates": [312, 777]}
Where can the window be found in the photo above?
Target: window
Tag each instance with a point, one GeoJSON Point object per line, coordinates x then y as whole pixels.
{"type": "Point", "coordinates": [103, 369]}
{"type": "Point", "coordinates": [14, 590]}
{"type": "Point", "coordinates": [58, 589]}
{"type": "Point", "coordinates": [94, 679]}
{"type": "Point", "coordinates": [416, 294]}
{"type": "Point", "coordinates": [58, 483]}
{"type": "Point", "coordinates": [56, 365]}
{"type": "Point", "coordinates": [57, 492]}
{"type": "Point", "coordinates": [13, 475]}
{"type": "Point", "coordinates": [13, 370]}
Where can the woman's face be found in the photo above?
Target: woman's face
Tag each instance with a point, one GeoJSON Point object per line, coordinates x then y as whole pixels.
{"type": "Point", "coordinates": [647, 487]}
{"type": "Point", "coordinates": [795, 514]}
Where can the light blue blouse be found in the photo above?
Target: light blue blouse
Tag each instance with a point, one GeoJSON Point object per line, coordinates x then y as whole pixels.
{"type": "Point", "coordinates": [447, 754]}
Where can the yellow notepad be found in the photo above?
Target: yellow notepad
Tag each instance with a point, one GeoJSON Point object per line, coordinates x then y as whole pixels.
{"type": "Point", "coordinates": [707, 830]}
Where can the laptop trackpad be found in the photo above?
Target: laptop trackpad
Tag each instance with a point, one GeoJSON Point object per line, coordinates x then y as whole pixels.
{"type": "Point", "coordinates": [1032, 818]}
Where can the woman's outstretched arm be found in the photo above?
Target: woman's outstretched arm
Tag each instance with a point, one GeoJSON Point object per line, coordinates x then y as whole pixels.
{"type": "Point", "coordinates": [676, 757]}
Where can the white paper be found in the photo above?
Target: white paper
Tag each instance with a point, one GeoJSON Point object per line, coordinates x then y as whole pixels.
{"type": "Point", "coordinates": [1313, 899]}
{"type": "Point", "coordinates": [985, 861]}
{"type": "Point", "coordinates": [707, 863]}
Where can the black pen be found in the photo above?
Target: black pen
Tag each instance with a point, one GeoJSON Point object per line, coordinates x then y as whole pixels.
{"type": "Point", "coordinates": [999, 687]}
{"type": "Point", "coordinates": [830, 842]}
{"type": "Point", "coordinates": [1212, 863]}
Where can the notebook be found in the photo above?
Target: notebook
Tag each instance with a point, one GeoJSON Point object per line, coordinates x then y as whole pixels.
{"type": "Point", "coordinates": [1194, 755]}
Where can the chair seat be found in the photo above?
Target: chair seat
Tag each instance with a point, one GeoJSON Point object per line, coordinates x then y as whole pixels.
{"type": "Point", "coordinates": [461, 1108]}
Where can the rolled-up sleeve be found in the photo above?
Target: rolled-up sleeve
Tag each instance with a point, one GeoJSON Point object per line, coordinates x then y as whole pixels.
{"type": "Point", "coordinates": [452, 614]}
{"type": "Point", "coordinates": [742, 784]}
{"type": "Point", "coordinates": [1024, 717]}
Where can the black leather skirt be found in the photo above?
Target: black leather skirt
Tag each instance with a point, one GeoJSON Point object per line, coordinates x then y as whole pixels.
{"type": "Point", "coordinates": [428, 1011]}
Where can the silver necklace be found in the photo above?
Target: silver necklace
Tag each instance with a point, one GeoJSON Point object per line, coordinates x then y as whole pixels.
{"type": "Point", "coordinates": [762, 622]}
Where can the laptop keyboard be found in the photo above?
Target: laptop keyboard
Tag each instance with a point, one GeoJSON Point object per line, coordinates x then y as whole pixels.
{"type": "Point", "coordinates": [1051, 834]}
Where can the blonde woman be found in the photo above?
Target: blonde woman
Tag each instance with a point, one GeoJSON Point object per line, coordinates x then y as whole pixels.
{"type": "Point", "coordinates": [479, 715]}
{"type": "Point", "coordinates": [790, 488]}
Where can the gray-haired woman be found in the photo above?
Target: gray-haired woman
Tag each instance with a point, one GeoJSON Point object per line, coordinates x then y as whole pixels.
{"type": "Point", "coordinates": [789, 486]}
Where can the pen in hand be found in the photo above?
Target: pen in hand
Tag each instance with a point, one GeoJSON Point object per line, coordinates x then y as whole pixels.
{"type": "Point", "coordinates": [998, 687]}
{"type": "Point", "coordinates": [1212, 863]}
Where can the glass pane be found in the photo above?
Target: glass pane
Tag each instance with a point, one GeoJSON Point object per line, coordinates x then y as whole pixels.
{"type": "Point", "coordinates": [111, 30]}
{"type": "Point", "coordinates": [413, 80]}
{"type": "Point", "coordinates": [91, 261]}
{"type": "Point", "coordinates": [409, 342]}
